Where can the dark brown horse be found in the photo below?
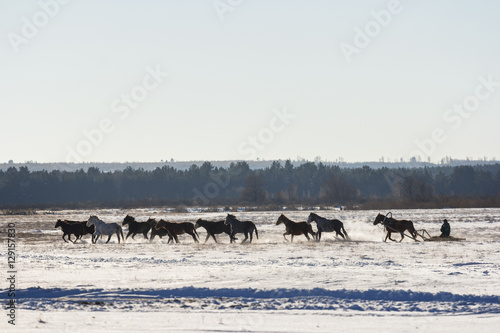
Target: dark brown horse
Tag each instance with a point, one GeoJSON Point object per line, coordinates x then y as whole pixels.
{"type": "Point", "coordinates": [135, 227]}
{"type": "Point", "coordinates": [175, 229]}
{"type": "Point", "coordinates": [295, 228]}
{"type": "Point", "coordinates": [392, 225]}
{"type": "Point", "coordinates": [213, 228]}
{"type": "Point", "coordinates": [156, 232]}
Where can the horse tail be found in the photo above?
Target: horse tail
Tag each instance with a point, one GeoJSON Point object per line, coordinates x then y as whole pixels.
{"type": "Point", "coordinates": [256, 233]}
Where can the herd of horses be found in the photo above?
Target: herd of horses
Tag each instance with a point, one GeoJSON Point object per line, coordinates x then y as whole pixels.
{"type": "Point", "coordinates": [230, 226]}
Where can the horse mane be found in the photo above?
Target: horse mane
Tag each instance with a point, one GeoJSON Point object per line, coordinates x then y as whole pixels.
{"type": "Point", "coordinates": [282, 216]}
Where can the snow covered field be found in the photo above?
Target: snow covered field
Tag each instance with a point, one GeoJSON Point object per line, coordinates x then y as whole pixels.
{"type": "Point", "coordinates": [268, 286]}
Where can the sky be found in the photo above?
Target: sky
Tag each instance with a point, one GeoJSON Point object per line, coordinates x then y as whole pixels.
{"type": "Point", "coordinates": [151, 80]}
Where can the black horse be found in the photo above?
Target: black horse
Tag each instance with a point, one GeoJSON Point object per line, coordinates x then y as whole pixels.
{"type": "Point", "coordinates": [70, 229]}
{"type": "Point", "coordinates": [156, 232]}
{"type": "Point", "coordinates": [135, 227]}
{"type": "Point", "coordinates": [86, 230]}
{"type": "Point", "coordinates": [326, 225]}
{"type": "Point", "coordinates": [213, 228]}
{"type": "Point", "coordinates": [295, 228]}
{"type": "Point", "coordinates": [392, 225]}
{"type": "Point", "coordinates": [175, 229]}
{"type": "Point", "coordinates": [241, 227]}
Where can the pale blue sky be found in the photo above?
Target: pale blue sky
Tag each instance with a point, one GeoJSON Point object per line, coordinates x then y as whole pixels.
{"type": "Point", "coordinates": [228, 78]}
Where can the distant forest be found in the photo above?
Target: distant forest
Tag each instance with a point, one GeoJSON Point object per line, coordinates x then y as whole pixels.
{"type": "Point", "coordinates": [280, 184]}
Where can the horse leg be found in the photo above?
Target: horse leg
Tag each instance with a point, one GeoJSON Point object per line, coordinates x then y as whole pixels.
{"type": "Point", "coordinates": [194, 237]}
{"type": "Point", "coordinates": [215, 239]}
{"type": "Point", "coordinates": [64, 238]}
{"type": "Point", "coordinates": [285, 237]}
{"type": "Point", "coordinates": [145, 234]}
{"type": "Point", "coordinates": [208, 236]}
{"type": "Point", "coordinates": [339, 232]}
{"type": "Point", "coordinates": [170, 238]}
{"type": "Point", "coordinates": [109, 237]}
{"type": "Point", "coordinates": [251, 235]}
{"type": "Point", "coordinates": [129, 233]}
{"type": "Point", "coordinates": [307, 236]}
{"type": "Point", "coordinates": [118, 236]}
{"type": "Point", "coordinates": [402, 236]}
{"type": "Point", "coordinates": [246, 237]}
{"type": "Point", "coordinates": [291, 241]}
{"type": "Point", "coordinates": [319, 235]}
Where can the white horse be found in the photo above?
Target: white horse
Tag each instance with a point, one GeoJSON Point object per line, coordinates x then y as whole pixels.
{"type": "Point", "coordinates": [102, 228]}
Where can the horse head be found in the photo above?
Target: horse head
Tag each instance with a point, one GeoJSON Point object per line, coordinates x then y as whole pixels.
{"type": "Point", "coordinates": [160, 224]}
{"type": "Point", "coordinates": [151, 222]}
{"type": "Point", "coordinates": [311, 218]}
{"type": "Point", "coordinates": [280, 219]}
{"type": "Point", "coordinates": [197, 224]}
{"type": "Point", "coordinates": [378, 219]}
{"type": "Point", "coordinates": [229, 218]}
{"type": "Point", "coordinates": [128, 219]}
{"type": "Point", "coordinates": [58, 223]}
{"type": "Point", "coordinates": [91, 220]}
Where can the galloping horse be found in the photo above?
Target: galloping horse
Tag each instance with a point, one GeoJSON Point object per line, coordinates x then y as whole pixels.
{"type": "Point", "coordinates": [241, 227]}
{"type": "Point", "coordinates": [295, 228]}
{"type": "Point", "coordinates": [175, 229]}
{"type": "Point", "coordinates": [135, 227]}
{"type": "Point", "coordinates": [392, 225]}
{"type": "Point", "coordinates": [213, 228]}
{"type": "Point", "coordinates": [71, 229]}
{"type": "Point", "coordinates": [86, 230]}
{"type": "Point", "coordinates": [156, 232]}
{"type": "Point", "coordinates": [326, 225]}
{"type": "Point", "coordinates": [102, 228]}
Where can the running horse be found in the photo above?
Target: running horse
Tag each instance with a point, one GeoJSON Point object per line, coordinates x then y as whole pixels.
{"type": "Point", "coordinates": [241, 227]}
{"type": "Point", "coordinates": [295, 228]}
{"type": "Point", "coordinates": [326, 225]}
{"type": "Point", "coordinates": [392, 225]}
{"type": "Point", "coordinates": [102, 228]}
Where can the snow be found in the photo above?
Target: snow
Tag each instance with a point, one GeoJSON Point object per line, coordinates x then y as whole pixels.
{"type": "Point", "coordinates": [271, 285]}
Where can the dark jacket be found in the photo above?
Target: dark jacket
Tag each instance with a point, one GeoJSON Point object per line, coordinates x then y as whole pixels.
{"type": "Point", "coordinates": [445, 230]}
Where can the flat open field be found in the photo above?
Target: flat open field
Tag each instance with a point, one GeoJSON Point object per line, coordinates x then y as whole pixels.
{"type": "Point", "coordinates": [271, 285]}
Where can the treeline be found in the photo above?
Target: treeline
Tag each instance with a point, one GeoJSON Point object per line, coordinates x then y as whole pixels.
{"type": "Point", "coordinates": [280, 184]}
